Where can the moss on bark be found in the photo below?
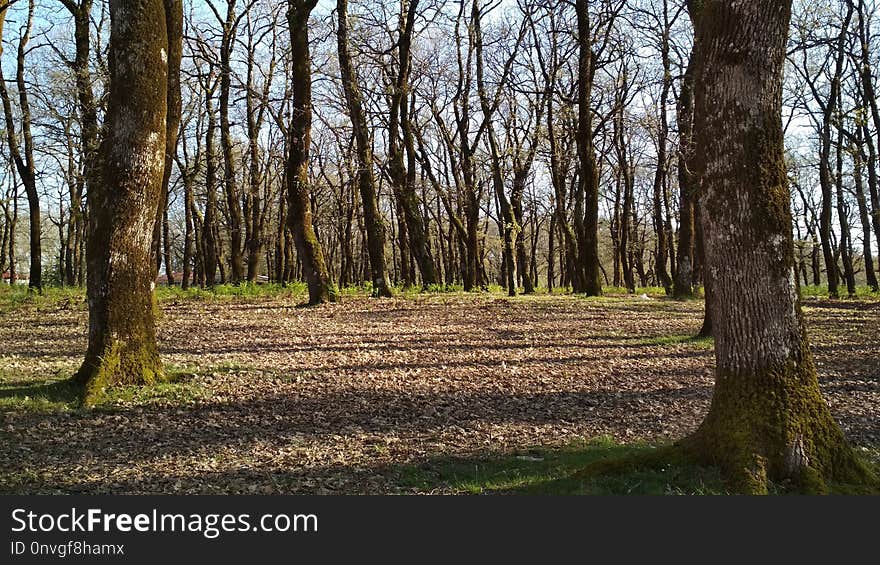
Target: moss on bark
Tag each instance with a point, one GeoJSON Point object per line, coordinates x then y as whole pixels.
{"type": "Point", "coordinates": [775, 426]}
{"type": "Point", "coordinates": [124, 363]}
{"type": "Point", "coordinates": [122, 308]}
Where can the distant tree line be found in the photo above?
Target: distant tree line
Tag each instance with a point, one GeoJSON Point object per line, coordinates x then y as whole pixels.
{"type": "Point", "coordinates": [536, 144]}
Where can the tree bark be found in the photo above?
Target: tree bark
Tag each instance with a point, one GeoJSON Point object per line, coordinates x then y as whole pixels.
{"type": "Point", "coordinates": [683, 286]}
{"type": "Point", "coordinates": [24, 163]}
{"type": "Point", "coordinates": [366, 180]}
{"type": "Point", "coordinates": [122, 330]}
{"type": "Point", "coordinates": [767, 420]}
{"type": "Point", "coordinates": [299, 206]}
{"type": "Point", "coordinates": [864, 216]}
{"type": "Point", "coordinates": [588, 246]}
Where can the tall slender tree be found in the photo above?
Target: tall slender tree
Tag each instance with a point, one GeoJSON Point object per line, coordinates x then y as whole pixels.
{"type": "Point", "coordinates": [366, 180]}
{"type": "Point", "coordinates": [299, 205]}
{"type": "Point", "coordinates": [22, 153]}
{"type": "Point", "coordinates": [588, 234]}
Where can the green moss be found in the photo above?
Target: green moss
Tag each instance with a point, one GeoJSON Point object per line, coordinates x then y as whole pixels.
{"type": "Point", "coordinates": [776, 427]}
{"type": "Point", "coordinates": [333, 293]}
{"type": "Point", "coordinates": [125, 363]}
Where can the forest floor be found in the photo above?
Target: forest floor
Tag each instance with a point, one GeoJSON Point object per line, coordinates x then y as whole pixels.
{"type": "Point", "coordinates": [421, 393]}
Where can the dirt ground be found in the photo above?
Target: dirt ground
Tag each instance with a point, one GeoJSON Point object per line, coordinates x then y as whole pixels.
{"type": "Point", "coordinates": [338, 399]}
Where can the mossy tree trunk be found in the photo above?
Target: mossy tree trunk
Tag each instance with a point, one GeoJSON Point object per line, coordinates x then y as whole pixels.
{"type": "Point", "coordinates": [768, 420]}
{"type": "Point", "coordinates": [366, 179]}
{"type": "Point", "coordinates": [122, 329]}
{"type": "Point", "coordinates": [299, 206]}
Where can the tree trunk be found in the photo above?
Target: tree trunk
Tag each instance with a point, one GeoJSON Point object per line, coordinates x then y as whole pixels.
{"type": "Point", "coordinates": [767, 420]}
{"type": "Point", "coordinates": [660, 225]}
{"type": "Point", "coordinates": [825, 181]}
{"type": "Point", "coordinates": [230, 186]}
{"type": "Point", "coordinates": [188, 205]}
{"type": "Point", "coordinates": [683, 286]}
{"type": "Point", "coordinates": [588, 246]}
{"type": "Point", "coordinates": [399, 123]}
{"type": "Point", "coordinates": [209, 231]}
{"type": "Point", "coordinates": [845, 246]}
{"type": "Point", "coordinates": [873, 188]}
{"type": "Point", "coordinates": [522, 256]}
{"type": "Point", "coordinates": [88, 118]}
{"type": "Point", "coordinates": [870, 98]}
{"type": "Point", "coordinates": [174, 28]}
{"type": "Point", "coordinates": [864, 216]}
{"type": "Point", "coordinates": [299, 206]}
{"type": "Point", "coordinates": [24, 163]}
{"type": "Point", "coordinates": [122, 331]}
{"type": "Point", "coordinates": [366, 180]}
{"type": "Point", "coordinates": [508, 224]}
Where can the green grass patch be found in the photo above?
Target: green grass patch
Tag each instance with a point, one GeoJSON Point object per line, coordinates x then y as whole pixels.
{"type": "Point", "coordinates": [599, 467]}
{"type": "Point", "coordinates": [58, 394]}
{"type": "Point", "coordinates": [232, 291]}
{"type": "Point", "coordinates": [821, 291]}
{"type": "Point", "coordinates": [551, 471]}
{"type": "Point", "coordinates": [53, 395]}
{"type": "Point", "coordinates": [697, 342]}
{"type": "Point", "coordinates": [18, 297]}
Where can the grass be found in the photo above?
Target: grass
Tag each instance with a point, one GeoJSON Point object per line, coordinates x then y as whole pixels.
{"type": "Point", "coordinates": [696, 341]}
{"type": "Point", "coordinates": [596, 467]}
{"type": "Point", "coordinates": [13, 298]}
{"type": "Point", "coordinates": [58, 394]}
{"type": "Point", "coordinates": [295, 290]}
{"type": "Point", "coordinates": [16, 297]}
{"type": "Point", "coordinates": [821, 291]}
{"type": "Point", "coordinates": [550, 471]}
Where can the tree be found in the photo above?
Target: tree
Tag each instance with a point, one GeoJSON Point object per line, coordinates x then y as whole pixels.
{"type": "Point", "coordinates": [174, 25]}
{"type": "Point", "coordinates": [89, 130]}
{"type": "Point", "coordinates": [400, 125]}
{"type": "Point", "coordinates": [299, 206]}
{"type": "Point", "coordinates": [767, 420]}
{"type": "Point", "coordinates": [24, 162]}
{"type": "Point", "coordinates": [229, 25]}
{"type": "Point", "coordinates": [588, 215]}
{"type": "Point", "coordinates": [122, 327]}
{"type": "Point", "coordinates": [683, 285]}
{"type": "Point", "coordinates": [366, 180]}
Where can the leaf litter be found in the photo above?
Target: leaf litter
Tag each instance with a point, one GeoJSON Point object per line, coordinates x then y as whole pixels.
{"type": "Point", "coordinates": [333, 399]}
